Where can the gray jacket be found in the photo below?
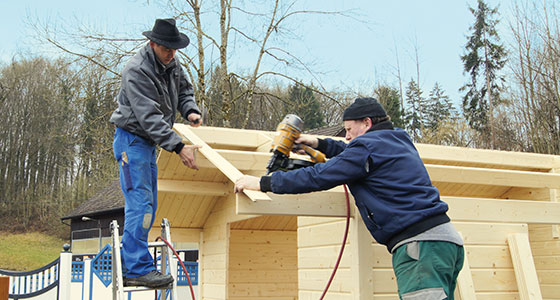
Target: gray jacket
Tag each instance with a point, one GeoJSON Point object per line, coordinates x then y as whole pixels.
{"type": "Point", "coordinates": [150, 96]}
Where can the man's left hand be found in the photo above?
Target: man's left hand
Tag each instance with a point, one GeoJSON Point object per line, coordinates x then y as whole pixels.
{"type": "Point", "coordinates": [195, 119]}
{"type": "Point", "coordinates": [247, 182]}
{"type": "Point", "coordinates": [187, 155]}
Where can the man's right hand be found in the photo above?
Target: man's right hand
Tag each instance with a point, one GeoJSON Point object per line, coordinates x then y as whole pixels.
{"type": "Point", "coordinates": [310, 141]}
{"type": "Point", "coordinates": [187, 155]}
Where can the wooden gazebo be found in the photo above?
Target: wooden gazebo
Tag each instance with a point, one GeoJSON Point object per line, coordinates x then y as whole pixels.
{"type": "Point", "coordinates": [265, 246]}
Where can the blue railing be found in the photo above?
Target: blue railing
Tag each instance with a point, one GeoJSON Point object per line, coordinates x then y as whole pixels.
{"type": "Point", "coordinates": [32, 283]}
{"type": "Point", "coordinates": [192, 269]}
{"type": "Point", "coordinates": [77, 271]}
{"type": "Point", "coordinates": [101, 266]}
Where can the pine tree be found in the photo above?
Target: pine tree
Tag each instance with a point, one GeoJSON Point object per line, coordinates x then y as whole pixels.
{"type": "Point", "coordinates": [389, 97]}
{"type": "Point", "coordinates": [304, 104]}
{"type": "Point", "coordinates": [414, 117]}
{"type": "Point", "coordinates": [439, 107]}
{"type": "Point", "coordinates": [484, 59]}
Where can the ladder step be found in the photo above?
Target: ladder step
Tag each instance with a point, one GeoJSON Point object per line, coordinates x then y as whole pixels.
{"type": "Point", "coordinates": [156, 244]}
{"type": "Point", "coordinates": [144, 288]}
{"type": "Point", "coordinates": [153, 244]}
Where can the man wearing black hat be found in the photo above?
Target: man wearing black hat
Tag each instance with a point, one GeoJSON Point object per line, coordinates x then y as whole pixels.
{"type": "Point", "coordinates": [393, 192]}
{"type": "Point", "coordinates": [153, 89]}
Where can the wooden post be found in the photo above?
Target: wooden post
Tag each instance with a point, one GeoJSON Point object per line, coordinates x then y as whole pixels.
{"type": "Point", "coordinates": [465, 285]}
{"type": "Point", "coordinates": [4, 287]}
{"type": "Point", "coordinates": [554, 198]}
{"type": "Point", "coordinates": [524, 267]}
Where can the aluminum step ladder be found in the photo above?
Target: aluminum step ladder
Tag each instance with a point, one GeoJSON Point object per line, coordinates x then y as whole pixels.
{"type": "Point", "coordinates": [166, 257]}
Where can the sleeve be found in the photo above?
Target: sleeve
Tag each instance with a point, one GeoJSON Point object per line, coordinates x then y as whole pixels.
{"type": "Point", "coordinates": [331, 147]}
{"type": "Point", "coordinates": [142, 94]}
{"type": "Point", "coordinates": [187, 104]}
{"type": "Point", "coordinates": [348, 166]}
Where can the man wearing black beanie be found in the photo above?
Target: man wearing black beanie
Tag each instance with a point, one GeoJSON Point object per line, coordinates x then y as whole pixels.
{"type": "Point", "coordinates": [393, 192]}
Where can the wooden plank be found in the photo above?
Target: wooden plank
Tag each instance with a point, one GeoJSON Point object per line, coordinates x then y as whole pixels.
{"type": "Point", "coordinates": [525, 272]}
{"type": "Point", "coordinates": [314, 295]}
{"type": "Point", "coordinates": [316, 280]}
{"type": "Point", "coordinates": [231, 138]}
{"type": "Point", "coordinates": [502, 159]}
{"type": "Point", "coordinates": [549, 276]}
{"type": "Point", "coordinates": [263, 290]}
{"type": "Point", "coordinates": [361, 253]}
{"type": "Point", "coordinates": [486, 176]}
{"type": "Point", "coordinates": [193, 187]}
{"type": "Point", "coordinates": [488, 233]}
{"type": "Point", "coordinates": [327, 203]}
{"type": "Point", "coordinates": [221, 163]}
{"type": "Point", "coordinates": [331, 204]}
{"type": "Point", "coordinates": [465, 284]}
{"type": "Point", "coordinates": [509, 211]}
{"type": "Point", "coordinates": [554, 194]}
{"type": "Point", "coordinates": [550, 291]}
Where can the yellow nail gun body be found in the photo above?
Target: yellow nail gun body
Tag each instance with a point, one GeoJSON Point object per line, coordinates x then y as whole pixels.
{"type": "Point", "coordinates": [288, 131]}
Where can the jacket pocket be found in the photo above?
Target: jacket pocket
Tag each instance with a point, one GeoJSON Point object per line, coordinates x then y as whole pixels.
{"type": "Point", "coordinates": [126, 172]}
{"type": "Point", "coordinates": [371, 220]}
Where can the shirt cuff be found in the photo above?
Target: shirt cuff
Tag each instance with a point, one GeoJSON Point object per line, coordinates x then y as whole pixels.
{"type": "Point", "coordinates": [179, 147]}
{"type": "Point", "coordinates": [323, 145]}
{"type": "Point", "coordinates": [266, 185]}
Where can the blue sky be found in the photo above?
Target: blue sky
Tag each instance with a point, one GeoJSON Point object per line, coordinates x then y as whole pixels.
{"type": "Point", "coordinates": [349, 55]}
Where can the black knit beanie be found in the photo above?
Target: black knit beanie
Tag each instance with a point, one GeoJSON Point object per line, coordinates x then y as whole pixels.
{"type": "Point", "coordinates": [364, 107]}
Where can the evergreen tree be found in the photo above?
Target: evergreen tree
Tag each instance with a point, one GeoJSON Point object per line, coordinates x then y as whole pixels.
{"type": "Point", "coordinates": [439, 107]}
{"type": "Point", "coordinates": [389, 97]}
{"type": "Point", "coordinates": [303, 103]}
{"type": "Point", "coordinates": [414, 117]}
{"type": "Point", "coordinates": [483, 61]}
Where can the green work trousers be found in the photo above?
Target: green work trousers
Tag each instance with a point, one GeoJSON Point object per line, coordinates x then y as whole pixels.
{"type": "Point", "coordinates": [427, 270]}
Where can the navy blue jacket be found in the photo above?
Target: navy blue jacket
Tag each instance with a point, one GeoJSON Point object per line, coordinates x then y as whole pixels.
{"type": "Point", "coordinates": [386, 176]}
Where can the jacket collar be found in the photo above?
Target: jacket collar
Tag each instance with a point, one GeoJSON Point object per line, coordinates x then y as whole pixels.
{"type": "Point", "coordinates": [381, 126]}
{"type": "Point", "coordinates": [159, 67]}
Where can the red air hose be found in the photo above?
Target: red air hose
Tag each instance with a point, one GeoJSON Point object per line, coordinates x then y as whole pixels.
{"type": "Point", "coordinates": [180, 261]}
{"type": "Point", "coordinates": [343, 242]}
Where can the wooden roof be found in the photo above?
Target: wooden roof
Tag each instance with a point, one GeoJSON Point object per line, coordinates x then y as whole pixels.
{"type": "Point", "coordinates": [187, 196]}
{"type": "Point", "coordinates": [109, 198]}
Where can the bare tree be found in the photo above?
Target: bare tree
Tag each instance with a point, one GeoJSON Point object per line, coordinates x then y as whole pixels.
{"type": "Point", "coordinates": [536, 72]}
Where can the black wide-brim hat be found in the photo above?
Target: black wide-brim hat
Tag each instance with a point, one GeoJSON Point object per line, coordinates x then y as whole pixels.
{"type": "Point", "coordinates": [165, 33]}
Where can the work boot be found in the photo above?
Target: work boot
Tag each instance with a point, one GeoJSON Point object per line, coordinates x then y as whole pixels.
{"type": "Point", "coordinates": [153, 279]}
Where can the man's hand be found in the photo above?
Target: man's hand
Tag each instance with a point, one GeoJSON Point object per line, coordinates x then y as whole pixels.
{"type": "Point", "coordinates": [310, 141]}
{"type": "Point", "coordinates": [187, 155]}
{"type": "Point", "coordinates": [195, 119]}
{"type": "Point", "coordinates": [247, 182]}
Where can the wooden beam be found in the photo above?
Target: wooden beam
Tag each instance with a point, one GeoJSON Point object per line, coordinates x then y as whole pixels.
{"type": "Point", "coordinates": [494, 210]}
{"type": "Point", "coordinates": [329, 203]}
{"type": "Point", "coordinates": [465, 285]}
{"type": "Point", "coordinates": [228, 138]}
{"type": "Point", "coordinates": [500, 177]}
{"type": "Point", "coordinates": [244, 138]}
{"type": "Point", "coordinates": [504, 159]}
{"type": "Point", "coordinates": [554, 197]}
{"type": "Point", "coordinates": [362, 255]}
{"type": "Point", "coordinates": [524, 267]}
{"type": "Point", "coordinates": [203, 188]}
{"type": "Point", "coordinates": [217, 160]}
{"type": "Point", "coordinates": [257, 161]}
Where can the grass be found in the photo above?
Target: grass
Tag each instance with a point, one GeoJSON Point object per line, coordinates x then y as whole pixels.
{"type": "Point", "coordinates": [28, 251]}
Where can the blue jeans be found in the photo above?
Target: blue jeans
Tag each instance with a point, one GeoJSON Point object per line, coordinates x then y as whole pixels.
{"type": "Point", "coordinates": [138, 175]}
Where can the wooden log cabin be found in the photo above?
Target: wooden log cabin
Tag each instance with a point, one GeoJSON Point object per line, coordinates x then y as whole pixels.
{"type": "Point", "coordinates": [265, 246]}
